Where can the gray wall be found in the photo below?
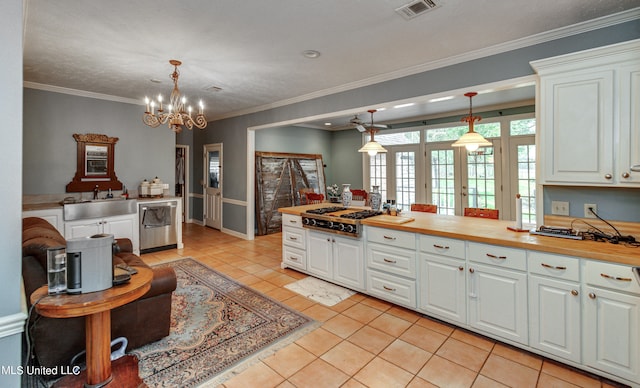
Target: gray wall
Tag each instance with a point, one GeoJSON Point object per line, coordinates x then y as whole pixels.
{"type": "Point", "coordinates": [494, 68]}
{"type": "Point", "coordinates": [11, 316]}
{"type": "Point", "coordinates": [619, 204]}
{"type": "Point", "coordinates": [49, 158]}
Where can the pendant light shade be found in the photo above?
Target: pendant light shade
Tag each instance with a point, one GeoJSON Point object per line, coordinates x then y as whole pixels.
{"type": "Point", "coordinates": [471, 140]}
{"type": "Point", "coordinates": [372, 147]}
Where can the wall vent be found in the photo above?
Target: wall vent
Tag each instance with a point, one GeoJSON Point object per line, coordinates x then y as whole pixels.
{"type": "Point", "coordinates": [416, 8]}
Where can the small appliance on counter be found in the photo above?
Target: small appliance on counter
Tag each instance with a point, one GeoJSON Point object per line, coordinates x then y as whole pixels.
{"type": "Point", "coordinates": [56, 270]}
{"type": "Point", "coordinates": [89, 263]}
{"type": "Point", "coordinates": [153, 189]}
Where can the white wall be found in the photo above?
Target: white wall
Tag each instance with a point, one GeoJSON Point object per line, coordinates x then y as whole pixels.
{"type": "Point", "coordinates": [11, 317]}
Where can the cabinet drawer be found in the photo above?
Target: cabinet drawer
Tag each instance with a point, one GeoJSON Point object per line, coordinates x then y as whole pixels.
{"type": "Point", "coordinates": [294, 257]}
{"type": "Point", "coordinates": [556, 266]}
{"type": "Point", "coordinates": [442, 246]}
{"type": "Point", "coordinates": [609, 275]}
{"type": "Point", "coordinates": [394, 260]}
{"type": "Point", "coordinates": [392, 288]}
{"type": "Point", "coordinates": [498, 255]}
{"type": "Point", "coordinates": [293, 237]}
{"type": "Point", "coordinates": [392, 237]}
{"type": "Point", "coordinates": [291, 220]}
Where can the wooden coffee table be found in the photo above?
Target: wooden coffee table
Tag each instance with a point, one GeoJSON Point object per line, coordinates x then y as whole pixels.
{"type": "Point", "coordinates": [96, 307]}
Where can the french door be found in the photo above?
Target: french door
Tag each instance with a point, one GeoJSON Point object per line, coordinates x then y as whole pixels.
{"type": "Point", "coordinates": [457, 179]}
{"type": "Point", "coordinates": [396, 173]}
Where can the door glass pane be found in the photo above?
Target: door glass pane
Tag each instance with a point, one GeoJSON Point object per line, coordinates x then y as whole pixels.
{"type": "Point", "coordinates": [522, 127]}
{"type": "Point", "coordinates": [443, 181]}
{"type": "Point", "coordinates": [378, 173]}
{"type": "Point", "coordinates": [214, 169]}
{"type": "Point", "coordinates": [527, 181]}
{"type": "Point", "coordinates": [405, 179]}
{"type": "Point", "coordinates": [481, 179]}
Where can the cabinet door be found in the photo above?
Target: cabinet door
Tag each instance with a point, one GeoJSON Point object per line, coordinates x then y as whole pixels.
{"type": "Point", "coordinates": [83, 228]}
{"type": "Point", "coordinates": [348, 262]}
{"type": "Point", "coordinates": [319, 254]}
{"type": "Point", "coordinates": [442, 287]}
{"type": "Point", "coordinates": [577, 127]}
{"type": "Point", "coordinates": [498, 302]}
{"type": "Point", "coordinates": [124, 227]}
{"type": "Point", "coordinates": [629, 145]}
{"type": "Point", "coordinates": [554, 309]}
{"type": "Point", "coordinates": [611, 341]}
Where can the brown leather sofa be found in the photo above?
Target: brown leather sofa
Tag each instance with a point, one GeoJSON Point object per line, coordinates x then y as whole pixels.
{"type": "Point", "coordinates": [56, 341]}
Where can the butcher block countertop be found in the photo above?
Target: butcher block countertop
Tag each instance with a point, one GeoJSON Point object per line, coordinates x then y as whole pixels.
{"type": "Point", "coordinates": [495, 232]}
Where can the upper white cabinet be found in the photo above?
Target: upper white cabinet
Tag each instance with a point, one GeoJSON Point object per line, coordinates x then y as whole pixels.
{"type": "Point", "coordinates": [589, 116]}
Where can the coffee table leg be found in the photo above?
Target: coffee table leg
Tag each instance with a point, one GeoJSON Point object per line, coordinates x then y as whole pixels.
{"type": "Point", "coordinates": [98, 330]}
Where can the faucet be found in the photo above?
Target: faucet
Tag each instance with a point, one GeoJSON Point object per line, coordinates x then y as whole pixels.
{"type": "Point", "coordinates": [96, 190]}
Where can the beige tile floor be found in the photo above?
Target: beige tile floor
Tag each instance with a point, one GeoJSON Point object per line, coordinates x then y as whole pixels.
{"type": "Point", "coordinates": [364, 341]}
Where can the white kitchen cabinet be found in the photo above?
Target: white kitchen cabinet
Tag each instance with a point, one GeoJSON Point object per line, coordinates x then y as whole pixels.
{"type": "Point", "coordinates": [336, 258]}
{"type": "Point", "coordinates": [497, 289]}
{"type": "Point", "coordinates": [612, 315]}
{"type": "Point", "coordinates": [586, 117]}
{"type": "Point", "coordinates": [554, 305]}
{"type": "Point", "coordinates": [294, 242]}
{"type": "Point", "coordinates": [53, 216]}
{"type": "Point", "coordinates": [442, 278]}
{"type": "Point", "coordinates": [125, 226]}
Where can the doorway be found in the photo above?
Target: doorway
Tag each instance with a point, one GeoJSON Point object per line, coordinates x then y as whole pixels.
{"type": "Point", "coordinates": [213, 185]}
{"type": "Point", "coordinates": [182, 178]}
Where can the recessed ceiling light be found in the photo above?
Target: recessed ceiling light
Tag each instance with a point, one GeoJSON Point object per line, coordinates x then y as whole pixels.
{"type": "Point", "coordinates": [311, 54]}
{"type": "Point", "coordinates": [404, 105]}
{"type": "Point", "coordinates": [155, 81]}
{"type": "Point", "coordinates": [327, 124]}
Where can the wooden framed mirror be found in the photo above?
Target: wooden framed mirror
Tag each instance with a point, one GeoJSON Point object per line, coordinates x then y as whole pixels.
{"type": "Point", "coordinates": [95, 161]}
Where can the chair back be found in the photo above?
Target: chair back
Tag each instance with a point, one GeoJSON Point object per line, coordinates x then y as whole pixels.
{"type": "Point", "coordinates": [424, 207]}
{"type": "Point", "coordinates": [314, 198]}
{"type": "Point", "coordinates": [482, 213]}
{"type": "Point", "coordinates": [359, 195]}
{"type": "Point", "coordinates": [303, 196]}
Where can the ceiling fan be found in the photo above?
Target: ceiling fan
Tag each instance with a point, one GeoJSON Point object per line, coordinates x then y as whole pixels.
{"type": "Point", "coordinates": [362, 126]}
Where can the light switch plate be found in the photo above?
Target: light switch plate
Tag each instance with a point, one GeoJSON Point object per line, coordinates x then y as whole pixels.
{"type": "Point", "coordinates": [560, 208]}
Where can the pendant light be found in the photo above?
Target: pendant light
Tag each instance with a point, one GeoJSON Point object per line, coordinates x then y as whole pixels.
{"type": "Point", "coordinates": [372, 147]}
{"type": "Point", "coordinates": [471, 140]}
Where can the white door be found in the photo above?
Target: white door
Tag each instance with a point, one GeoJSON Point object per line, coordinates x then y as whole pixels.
{"type": "Point", "coordinates": [213, 185]}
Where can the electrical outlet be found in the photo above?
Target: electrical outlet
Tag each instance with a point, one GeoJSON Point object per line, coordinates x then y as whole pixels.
{"type": "Point", "coordinates": [560, 208]}
{"type": "Point", "coordinates": [587, 212]}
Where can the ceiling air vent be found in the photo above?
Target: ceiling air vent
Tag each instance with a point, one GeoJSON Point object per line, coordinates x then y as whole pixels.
{"type": "Point", "coordinates": [416, 8]}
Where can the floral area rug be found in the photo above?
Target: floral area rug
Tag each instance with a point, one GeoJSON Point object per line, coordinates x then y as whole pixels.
{"type": "Point", "coordinates": [218, 327]}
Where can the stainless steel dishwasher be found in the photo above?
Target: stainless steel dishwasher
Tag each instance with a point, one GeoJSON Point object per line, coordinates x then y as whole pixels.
{"type": "Point", "coordinates": [157, 226]}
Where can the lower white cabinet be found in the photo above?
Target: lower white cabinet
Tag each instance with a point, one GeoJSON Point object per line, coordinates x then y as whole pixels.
{"type": "Point", "coordinates": [336, 258]}
{"type": "Point", "coordinates": [125, 226]}
{"type": "Point", "coordinates": [442, 287]}
{"type": "Point", "coordinates": [498, 301]}
{"type": "Point", "coordinates": [53, 216]}
{"type": "Point", "coordinates": [611, 318]}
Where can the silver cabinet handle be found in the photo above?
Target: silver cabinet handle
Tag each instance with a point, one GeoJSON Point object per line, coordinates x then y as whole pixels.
{"type": "Point", "coordinates": [496, 257]}
{"type": "Point", "coordinates": [574, 292]}
{"type": "Point", "coordinates": [389, 261]}
{"type": "Point", "coordinates": [472, 270]}
{"type": "Point", "coordinates": [389, 237]}
{"type": "Point", "coordinates": [293, 238]}
{"type": "Point", "coordinates": [604, 275]}
{"type": "Point", "coordinates": [389, 288]}
{"type": "Point", "coordinates": [635, 168]}
{"type": "Point", "coordinates": [608, 176]}
{"type": "Point", "coordinates": [440, 246]}
{"type": "Point", "coordinates": [552, 267]}
{"type": "Point", "coordinates": [461, 268]}
{"type": "Point", "coordinates": [625, 175]}
{"type": "Point", "coordinates": [592, 295]}
{"type": "Point", "coordinates": [293, 258]}
{"type": "Point", "coordinates": [293, 221]}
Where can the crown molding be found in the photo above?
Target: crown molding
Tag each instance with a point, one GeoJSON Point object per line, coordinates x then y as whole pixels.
{"type": "Point", "coordinates": [562, 32]}
{"type": "Point", "coordinates": [80, 93]}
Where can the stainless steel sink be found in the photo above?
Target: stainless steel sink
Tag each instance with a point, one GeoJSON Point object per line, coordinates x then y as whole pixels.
{"type": "Point", "coordinates": [99, 208]}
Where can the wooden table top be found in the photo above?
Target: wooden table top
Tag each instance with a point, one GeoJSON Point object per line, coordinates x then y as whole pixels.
{"type": "Point", "coordinates": [495, 232]}
{"type": "Point", "coordinates": [70, 305]}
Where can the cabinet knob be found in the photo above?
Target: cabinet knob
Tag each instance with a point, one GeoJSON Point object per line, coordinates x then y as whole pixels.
{"type": "Point", "coordinates": [625, 175]}
{"type": "Point", "coordinates": [472, 270]}
{"type": "Point", "coordinates": [574, 292]}
{"type": "Point", "coordinates": [461, 268]}
{"type": "Point", "coordinates": [592, 295]}
{"type": "Point", "coordinates": [608, 176]}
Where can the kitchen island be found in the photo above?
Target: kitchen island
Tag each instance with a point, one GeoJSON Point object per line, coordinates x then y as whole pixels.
{"type": "Point", "coordinates": [574, 301]}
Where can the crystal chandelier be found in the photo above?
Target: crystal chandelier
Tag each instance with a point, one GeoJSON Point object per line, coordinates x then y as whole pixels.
{"type": "Point", "coordinates": [471, 140]}
{"type": "Point", "coordinates": [176, 116]}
